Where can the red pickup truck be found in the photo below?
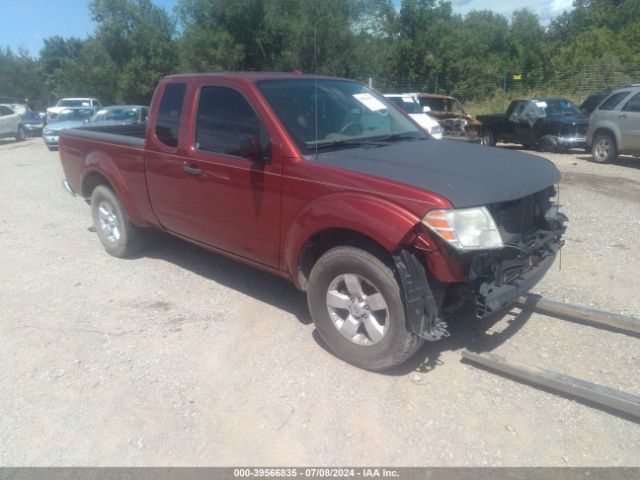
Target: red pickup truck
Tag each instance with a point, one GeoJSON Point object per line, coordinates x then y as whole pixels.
{"type": "Point", "coordinates": [323, 181]}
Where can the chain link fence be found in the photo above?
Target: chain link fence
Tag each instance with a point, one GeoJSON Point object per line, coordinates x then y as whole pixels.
{"type": "Point", "coordinates": [491, 92]}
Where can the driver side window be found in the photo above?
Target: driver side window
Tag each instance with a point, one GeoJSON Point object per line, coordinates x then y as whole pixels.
{"type": "Point", "coordinates": [224, 120]}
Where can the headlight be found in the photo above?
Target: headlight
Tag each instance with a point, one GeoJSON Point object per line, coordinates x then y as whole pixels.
{"type": "Point", "coordinates": [436, 129]}
{"type": "Point", "coordinates": [465, 229]}
{"type": "Point", "coordinates": [47, 131]}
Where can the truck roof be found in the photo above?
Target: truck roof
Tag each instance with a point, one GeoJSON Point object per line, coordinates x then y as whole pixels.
{"type": "Point", "coordinates": [252, 76]}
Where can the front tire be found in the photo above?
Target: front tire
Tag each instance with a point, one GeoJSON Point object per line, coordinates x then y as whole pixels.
{"type": "Point", "coordinates": [604, 149]}
{"type": "Point", "coordinates": [356, 304]}
{"type": "Point", "coordinates": [548, 144]}
{"type": "Point", "coordinates": [117, 234]}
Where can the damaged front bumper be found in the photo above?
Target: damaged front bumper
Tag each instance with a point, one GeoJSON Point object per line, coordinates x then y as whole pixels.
{"type": "Point", "coordinates": [503, 277]}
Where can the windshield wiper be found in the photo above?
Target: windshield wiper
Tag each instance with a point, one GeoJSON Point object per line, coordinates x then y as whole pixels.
{"type": "Point", "coordinates": [398, 137]}
{"type": "Point", "coordinates": [349, 141]}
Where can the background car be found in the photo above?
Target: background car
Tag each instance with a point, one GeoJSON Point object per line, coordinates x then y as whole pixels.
{"type": "Point", "coordinates": [67, 118]}
{"type": "Point", "coordinates": [614, 126]}
{"type": "Point", "coordinates": [456, 123]}
{"type": "Point", "coordinates": [121, 115]}
{"type": "Point", "coordinates": [549, 124]}
{"type": "Point", "coordinates": [33, 123]}
{"type": "Point", "coordinates": [53, 112]}
{"type": "Point", "coordinates": [78, 118]}
{"type": "Point", "coordinates": [410, 105]}
{"type": "Point", "coordinates": [11, 123]}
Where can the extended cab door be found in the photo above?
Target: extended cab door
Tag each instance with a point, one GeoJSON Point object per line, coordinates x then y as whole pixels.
{"type": "Point", "coordinates": [519, 127]}
{"type": "Point", "coordinates": [232, 202]}
{"type": "Point", "coordinates": [163, 157]}
{"type": "Point", "coordinates": [507, 126]}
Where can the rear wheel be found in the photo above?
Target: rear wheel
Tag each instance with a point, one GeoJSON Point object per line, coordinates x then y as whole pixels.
{"type": "Point", "coordinates": [604, 148]}
{"type": "Point", "coordinates": [20, 134]}
{"type": "Point", "coordinates": [488, 138]}
{"type": "Point", "coordinates": [356, 305]}
{"type": "Point", "coordinates": [117, 234]}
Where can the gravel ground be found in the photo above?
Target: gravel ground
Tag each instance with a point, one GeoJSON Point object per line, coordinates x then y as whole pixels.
{"type": "Point", "coordinates": [182, 357]}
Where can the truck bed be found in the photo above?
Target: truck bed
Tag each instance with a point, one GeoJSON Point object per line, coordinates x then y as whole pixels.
{"type": "Point", "coordinates": [124, 134]}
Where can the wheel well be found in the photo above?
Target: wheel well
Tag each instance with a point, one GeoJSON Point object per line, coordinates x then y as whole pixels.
{"type": "Point", "coordinates": [325, 240]}
{"type": "Point", "coordinates": [91, 181]}
{"type": "Point", "coordinates": [605, 130]}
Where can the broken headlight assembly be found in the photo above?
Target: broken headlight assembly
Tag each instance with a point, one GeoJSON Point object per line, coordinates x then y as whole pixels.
{"type": "Point", "coordinates": [465, 228]}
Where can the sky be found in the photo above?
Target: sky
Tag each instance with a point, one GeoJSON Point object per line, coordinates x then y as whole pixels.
{"type": "Point", "coordinates": [25, 23]}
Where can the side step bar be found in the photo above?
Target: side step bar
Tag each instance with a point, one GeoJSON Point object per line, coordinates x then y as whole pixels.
{"type": "Point", "coordinates": [603, 396]}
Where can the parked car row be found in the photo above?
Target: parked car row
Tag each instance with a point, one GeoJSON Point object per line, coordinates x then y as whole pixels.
{"type": "Point", "coordinates": [86, 117]}
{"type": "Point", "coordinates": [606, 124]}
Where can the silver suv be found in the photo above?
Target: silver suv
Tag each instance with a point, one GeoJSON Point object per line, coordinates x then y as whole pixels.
{"type": "Point", "coordinates": [614, 127]}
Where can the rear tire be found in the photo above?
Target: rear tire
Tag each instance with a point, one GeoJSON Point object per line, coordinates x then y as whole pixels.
{"type": "Point", "coordinates": [488, 137]}
{"type": "Point", "coordinates": [117, 234]}
{"type": "Point", "coordinates": [604, 149]}
{"type": "Point", "coordinates": [20, 134]}
{"type": "Point", "coordinates": [356, 304]}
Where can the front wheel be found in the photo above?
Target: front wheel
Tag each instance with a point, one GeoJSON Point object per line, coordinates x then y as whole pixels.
{"type": "Point", "coordinates": [604, 148]}
{"type": "Point", "coordinates": [117, 234]}
{"type": "Point", "coordinates": [548, 144]}
{"type": "Point", "coordinates": [356, 305]}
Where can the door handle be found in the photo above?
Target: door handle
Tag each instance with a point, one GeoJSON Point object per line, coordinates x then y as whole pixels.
{"type": "Point", "coordinates": [622, 116]}
{"type": "Point", "coordinates": [191, 170]}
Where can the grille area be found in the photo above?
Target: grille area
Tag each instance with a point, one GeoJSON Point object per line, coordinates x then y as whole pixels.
{"type": "Point", "coordinates": [520, 218]}
{"type": "Point", "coordinates": [573, 130]}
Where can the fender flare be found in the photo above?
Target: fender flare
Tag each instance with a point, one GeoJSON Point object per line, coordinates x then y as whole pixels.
{"type": "Point", "coordinates": [103, 164]}
{"type": "Point", "coordinates": [381, 220]}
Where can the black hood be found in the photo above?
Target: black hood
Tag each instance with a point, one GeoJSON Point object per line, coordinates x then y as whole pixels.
{"type": "Point", "coordinates": [465, 174]}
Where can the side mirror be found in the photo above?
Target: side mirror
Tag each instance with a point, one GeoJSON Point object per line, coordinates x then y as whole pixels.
{"type": "Point", "coordinates": [426, 109]}
{"type": "Point", "coordinates": [251, 150]}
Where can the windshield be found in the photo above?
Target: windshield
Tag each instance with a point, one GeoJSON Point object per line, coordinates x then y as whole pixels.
{"type": "Point", "coordinates": [116, 115]}
{"type": "Point", "coordinates": [407, 104]}
{"type": "Point", "coordinates": [439, 104]}
{"type": "Point", "coordinates": [347, 113]}
{"type": "Point", "coordinates": [74, 114]}
{"type": "Point", "coordinates": [73, 103]}
{"type": "Point", "coordinates": [558, 107]}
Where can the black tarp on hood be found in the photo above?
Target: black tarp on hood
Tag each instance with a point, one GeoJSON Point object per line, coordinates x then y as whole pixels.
{"type": "Point", "coordinates": [465, 174]}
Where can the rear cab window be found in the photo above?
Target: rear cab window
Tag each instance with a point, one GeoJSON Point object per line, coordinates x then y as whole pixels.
{"type": "Point", "coordinates": [168, 122]}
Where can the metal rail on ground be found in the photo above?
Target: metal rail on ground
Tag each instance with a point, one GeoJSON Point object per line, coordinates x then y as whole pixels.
{"type": "Point", "coordinates": [609, 398]}
{"type": "Point", "coordinates": [581, 314]}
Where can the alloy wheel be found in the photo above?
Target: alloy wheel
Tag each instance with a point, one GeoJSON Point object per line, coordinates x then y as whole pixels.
{"type": "Point", "coordinates": [357, 309]}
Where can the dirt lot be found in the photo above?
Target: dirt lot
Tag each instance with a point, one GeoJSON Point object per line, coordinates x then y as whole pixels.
{"type": "Point", "coordinates": [182, 357]}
